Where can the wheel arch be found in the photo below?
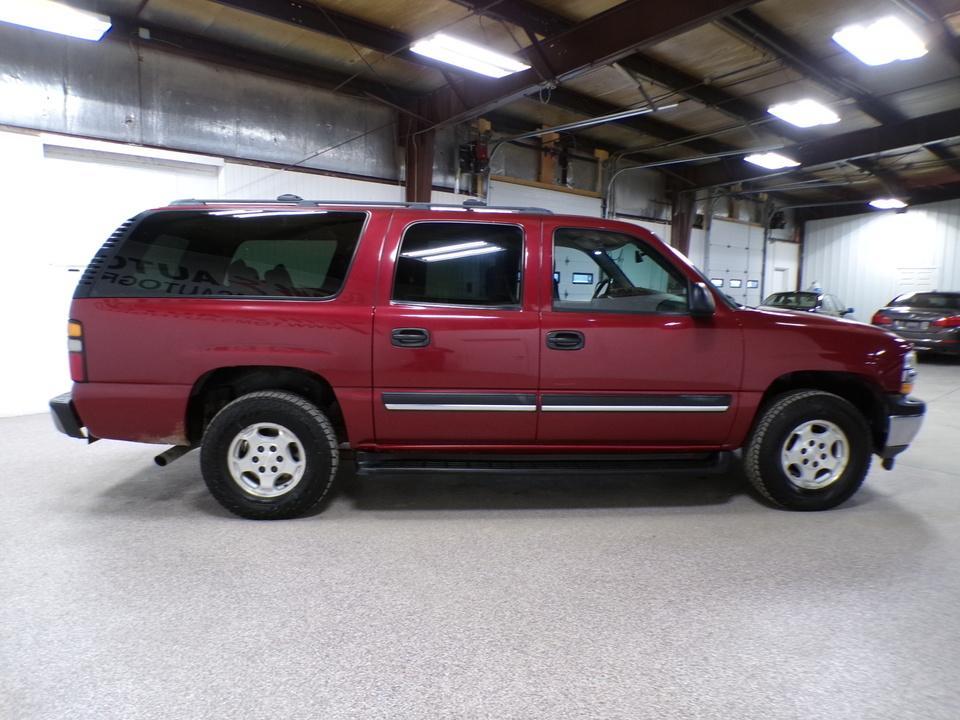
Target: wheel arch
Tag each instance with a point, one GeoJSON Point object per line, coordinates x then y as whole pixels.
{"type": "Point", "coordinates": [216, 388]}
{"type": "Point", "coordinates": [856, 389]}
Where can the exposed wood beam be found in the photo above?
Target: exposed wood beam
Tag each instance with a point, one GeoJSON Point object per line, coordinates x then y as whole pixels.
{"type": "Point", "coordinates": [854, 145]}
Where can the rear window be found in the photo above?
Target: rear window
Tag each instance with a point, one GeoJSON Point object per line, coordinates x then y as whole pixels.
{"type": "Point", "coordinates": [792, 300]}
{"type": "Point", "coordinates": [931, 301]}
{"type": "Point", "coordinates": [289, 253]}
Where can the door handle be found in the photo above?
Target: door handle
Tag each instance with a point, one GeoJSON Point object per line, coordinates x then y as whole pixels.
{"type": "Point", "coordinates": [409, 337]}
{"type": "Point", "coordinates": [565, 340]}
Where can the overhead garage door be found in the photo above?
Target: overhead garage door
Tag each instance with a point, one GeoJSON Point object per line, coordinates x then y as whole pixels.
{"type": "Point", "coordinates": [735, 259]}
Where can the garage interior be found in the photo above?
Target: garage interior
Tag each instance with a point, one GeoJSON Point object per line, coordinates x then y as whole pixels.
{"type": "Point", "coordinates": [128, 592]}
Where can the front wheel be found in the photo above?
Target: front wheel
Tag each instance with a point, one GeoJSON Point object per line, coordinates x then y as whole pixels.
{"type": "Point", "coordinates": [810, 450]}
{"type": "Point", "coordinates": [269, 455]}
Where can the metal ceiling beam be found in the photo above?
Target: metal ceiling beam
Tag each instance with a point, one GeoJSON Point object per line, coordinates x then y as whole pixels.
{"type": "Point", "coordinates": [536, 19]}
{"type": "Point", "coordinates": [329, 22]}
{"type": "Point", "coordinates": [755, 30]}
{"type": "Point", "coordinates": [921, 196]}
{"type": "Point", "coordinates": [937, 28]}
{"type": "Point", "coordinates": [395, 43]}
{"type": "Point", "coordinates": [752, 28]}
{"type": "Point", "coordinates": [598, 41]}
{"type": "Point", "coordinates": [855, 145]}
{"type": "Point", "coordinates": [593, 107]}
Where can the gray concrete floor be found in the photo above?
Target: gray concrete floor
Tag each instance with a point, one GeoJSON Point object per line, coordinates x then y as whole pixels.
{"type": "Point", "coordinates": [126, 592]}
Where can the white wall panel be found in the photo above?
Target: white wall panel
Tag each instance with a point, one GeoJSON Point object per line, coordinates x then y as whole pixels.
{"type": "Point", "coordinates": [502, 193]}
{"type": "Point", "coordinates": [253, 182]}
{"type": "Point", "coordinates": [868, 259]}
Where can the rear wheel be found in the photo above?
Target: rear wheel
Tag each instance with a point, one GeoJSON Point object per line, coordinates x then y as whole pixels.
{"type": "Point", "coordinates": [269, 455]}
{"type": "Point", "coordinates": [810, 450]}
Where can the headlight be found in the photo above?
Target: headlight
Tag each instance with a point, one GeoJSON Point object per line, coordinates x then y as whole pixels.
{"type": "Point", "coordinates": [909, 373]}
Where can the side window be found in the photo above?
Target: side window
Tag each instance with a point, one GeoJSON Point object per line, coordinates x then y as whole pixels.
{"type": "Point", "coordinates": [603, 271]}
{"type": "Point", "coordinates": [233, 252]}
{"type": "Point", "coordinates": [462, 263]}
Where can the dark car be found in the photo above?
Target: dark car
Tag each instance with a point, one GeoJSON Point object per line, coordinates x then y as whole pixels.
{"type": "Point", "coordinates": [930, 320]}
{"type": "Point", "coordinates": [809, 301]}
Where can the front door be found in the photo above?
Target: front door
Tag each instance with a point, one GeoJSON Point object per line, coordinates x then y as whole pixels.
{"type": "Point", "coordinates": [622, 360]}
{"type": "Point", "coordinates": [455, 348]}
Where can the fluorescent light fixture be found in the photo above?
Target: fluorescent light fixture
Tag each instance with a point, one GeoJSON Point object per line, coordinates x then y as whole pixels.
{"type": "Point", "coordinates": [54, 17]}
{"type": "Point", "coordinates": [804, 113]}
{"type": "Point", "coordinates": [888, 204]}
{"type": "Point", "coordinates": [445, 249]}
{"type": "Point", "coordinates": [882, 41]}
{"type": "Point", "coordinates": [468, 56]}
{"type": "Point", "coordinates": [771, 160]}
{"type": "Point", "coordinates": [463, 253]}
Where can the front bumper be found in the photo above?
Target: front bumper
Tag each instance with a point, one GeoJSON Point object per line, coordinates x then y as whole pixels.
{"type": "Point", "coordinates": [65, 416]}
{"type": "Point", "coordinates": [904, 418]}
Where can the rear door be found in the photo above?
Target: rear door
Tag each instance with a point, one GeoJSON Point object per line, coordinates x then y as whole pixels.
{"type": "Point", "coordinates": [622, 360]}
{"type": "Point", "coordinates": [455, 347]}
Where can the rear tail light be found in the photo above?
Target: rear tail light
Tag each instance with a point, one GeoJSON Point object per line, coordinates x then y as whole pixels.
{"type": "Point", "coordinates": [77, 354]}
{"type": "Point", "coordinates": [880, 319]}
{"type": "Point", "coordinates": [947, 322]}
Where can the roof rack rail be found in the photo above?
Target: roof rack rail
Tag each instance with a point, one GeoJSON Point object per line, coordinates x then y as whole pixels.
{"type": "Point", "coordinates": [471, 205]}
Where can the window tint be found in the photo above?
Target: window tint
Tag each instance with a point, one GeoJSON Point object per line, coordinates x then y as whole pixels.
{"type": "Point", "coordinates": [290, 253]}
{"type": "Point", "coordinates": [460, 264]}
{"type": "Point", "coordinates": [625, 274]}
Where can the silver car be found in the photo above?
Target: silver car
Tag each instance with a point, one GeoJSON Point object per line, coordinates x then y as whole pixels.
{"type": "Point", "coordinates": [807, 301]}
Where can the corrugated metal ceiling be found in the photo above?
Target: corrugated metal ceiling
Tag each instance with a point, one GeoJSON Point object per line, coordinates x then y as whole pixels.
{"type": "Point", "coordinates": [713, 55]}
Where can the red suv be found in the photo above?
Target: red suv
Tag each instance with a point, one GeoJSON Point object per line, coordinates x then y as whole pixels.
{"type": "Point", "coordinates": [276, 335]}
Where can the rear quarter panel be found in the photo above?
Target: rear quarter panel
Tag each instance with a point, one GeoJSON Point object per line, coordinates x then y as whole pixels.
{"type": "Point", "coordinates": [144, 355]}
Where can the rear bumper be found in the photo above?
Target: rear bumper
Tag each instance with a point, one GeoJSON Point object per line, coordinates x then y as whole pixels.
{"type": "Point", "coordinates": [65, 416]}
{"type": "Point", "coordinates": [904, 418]}
{"type": "Point", "coordinates": [948, 342]}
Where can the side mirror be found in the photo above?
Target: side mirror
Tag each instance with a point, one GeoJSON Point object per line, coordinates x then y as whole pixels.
{"type": "Point", "coordinates": [702, 303]}
{"type": "Point", "coordinates": [849, 311]}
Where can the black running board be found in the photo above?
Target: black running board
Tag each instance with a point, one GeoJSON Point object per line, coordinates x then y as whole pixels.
{"type": "Point", "coordinates": [540, 464]}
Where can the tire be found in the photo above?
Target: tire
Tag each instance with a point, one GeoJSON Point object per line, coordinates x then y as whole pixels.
{"type": "Point", "coordinates": [810, 450]}
{"type": "Point", "coordinates": [269, 455]}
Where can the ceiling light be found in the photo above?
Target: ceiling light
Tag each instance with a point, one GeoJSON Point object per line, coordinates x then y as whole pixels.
{"type": "Point", "coordinates": [882, 41]}
{"type": "Point", "coordinates": [804, 113]}
{"type": "Point", "coordinates": [454, 51]}
{"type": "Point", "coordinates": [771, 160]}
{"type": "Point", "coordinates": [54, 17]}
{"type": "Point", "coordinates": [888, 204]}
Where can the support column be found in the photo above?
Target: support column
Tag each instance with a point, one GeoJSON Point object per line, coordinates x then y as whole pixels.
{"type": "Point", "coordinates": [419, 165]}
{"type": "Point", "coordinates": [681, 219]}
